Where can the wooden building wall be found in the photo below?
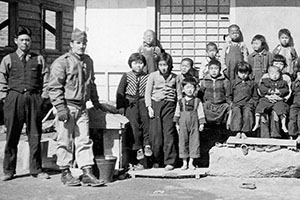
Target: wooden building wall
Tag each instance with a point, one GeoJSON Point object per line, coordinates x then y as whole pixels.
{"type": "Point", "coordinates": [29, 13]}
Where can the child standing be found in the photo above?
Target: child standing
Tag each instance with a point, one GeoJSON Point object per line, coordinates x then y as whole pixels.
{"type": "Point", "coordinates": [211, 54]}
{"type": "Point", "coordinates": [261, 58]}
{"type": "Point", "coordinates": [244, 98]}
{"type": "Point", "coordinates": [186, 70]}
{"type": "Point", "coordinates": [160, 99]}
{"type": "Point", "coordinates": [215, 89]}
{"type": "Point", "coordinates": [274, 85]}
{"type": "Point", "coordinates": [294, 119]}
{"type": "Point", "coordinates": [151, 49]}
{"type": "Point", "coordinates": [189, 118]}
{"type": "Point", "coordinates": [286, 48]}
{"type": "Point", "coordinates": [233, 52]}
{"type": "Point", "coordinates": [131, 102]}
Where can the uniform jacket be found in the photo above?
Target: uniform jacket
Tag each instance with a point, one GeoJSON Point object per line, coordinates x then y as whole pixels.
{"type": "Point", "coordinates": [72, 80]}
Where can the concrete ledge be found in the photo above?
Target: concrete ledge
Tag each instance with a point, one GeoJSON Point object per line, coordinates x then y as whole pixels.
{"type": "Point", "coordinates": [231, 162]}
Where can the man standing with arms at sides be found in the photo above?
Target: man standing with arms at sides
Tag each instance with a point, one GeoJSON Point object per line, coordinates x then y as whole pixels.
{"type": "Point", "coordinates": [71, 84]}
{"type": "Point", "coordinates": [23, 81]}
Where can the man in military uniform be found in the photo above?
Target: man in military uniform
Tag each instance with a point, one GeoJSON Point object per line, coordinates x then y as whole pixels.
{"type": "Point", "coordinates": [23, 80]}
{"type": "Point", "coordinates": [71, 84]}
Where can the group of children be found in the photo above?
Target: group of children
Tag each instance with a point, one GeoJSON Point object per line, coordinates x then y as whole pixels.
{"type": "Point", "coordinates": [235, 90]}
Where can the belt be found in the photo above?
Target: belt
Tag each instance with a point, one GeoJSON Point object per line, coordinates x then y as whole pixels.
{"type": "Point", "coordinates": [26, 91]}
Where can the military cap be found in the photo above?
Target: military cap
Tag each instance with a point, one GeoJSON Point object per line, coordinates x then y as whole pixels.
{"type": "Point", "coordinates": [78, 35]}
{"type": "Point", "coordinates": [23, 30]}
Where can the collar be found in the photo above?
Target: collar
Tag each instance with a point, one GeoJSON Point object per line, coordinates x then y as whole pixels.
{"type": "Point", "coordinates": [208, 77]}
{"type": "Point", "coordinates": [263, 52]}
{"type": "Point", "coordinates": [145, 44]}
{"type": "Point", "coordinates": [238, 80]}
{"type": "Point", "coordinates": [21, 53]}
{"type": "Point", "coordinates": [80, 58]}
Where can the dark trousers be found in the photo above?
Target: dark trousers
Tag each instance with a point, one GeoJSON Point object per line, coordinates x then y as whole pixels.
{"type": "Point", "coordinates": [162, 132]}
{"type": "Point", "coordinates": [294, 120]}
{"type": "Point", "coordinates": [270, 126]}
{"type": "Point", "coordinates": [19, 109]}
{"type": "Point", "coordinates": [280, 107]}
{"type": "Point", "coordinates": [138, 117]}
{"type": "Point", "coordinates": [242, 118]}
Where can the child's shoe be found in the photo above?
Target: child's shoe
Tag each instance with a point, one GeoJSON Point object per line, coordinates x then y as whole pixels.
{"type": "Point", "coordinates": [140, 154]}
{"type": "Point", "coordinates": [169, 167]}
{"type": "Point", "coordinates": [148, 151]}
{"type": "Point", "coordinates": [273, 148]}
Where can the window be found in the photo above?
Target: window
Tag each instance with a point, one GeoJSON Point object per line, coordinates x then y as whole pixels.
{"type": "Point", "coordinates": [52, 29]}
{"type": "Point", "coordinates": [186, 26]}
{"type": "Point", "coordinates": [8, 23]}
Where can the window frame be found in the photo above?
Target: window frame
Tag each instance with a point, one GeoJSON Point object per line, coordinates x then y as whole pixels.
{"type": "Point", "coordinates": [12, 23]}
{"type": "Point", "coordinates": [58, 29]}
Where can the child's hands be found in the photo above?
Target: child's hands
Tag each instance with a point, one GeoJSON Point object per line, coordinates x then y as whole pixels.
{"type": "Point", "coordinates": [201, 127]}
{"type": "Point", "coordinates": [150, 112]}
{"type": "Point", "coordinates": [121, 111]}
{"type": "Point", "coordinates": [177, 127]}
{"type": "Point", "coordinates": [276, 91]}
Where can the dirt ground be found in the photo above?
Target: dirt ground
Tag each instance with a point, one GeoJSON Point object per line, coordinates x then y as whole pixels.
{"type": "Point", "coordinates": [207, 188]}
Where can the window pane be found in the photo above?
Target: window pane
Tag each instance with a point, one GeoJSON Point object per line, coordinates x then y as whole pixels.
{"type": "Point", "coordinates": [50, 38]}
{"type": "Point", "coordinates": [3, 17]}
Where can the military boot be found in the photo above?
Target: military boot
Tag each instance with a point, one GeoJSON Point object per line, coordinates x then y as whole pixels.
{"type": "Point", "coordinates": [68, 179]}
{"type": "Point", "coordinates": [89, 179]}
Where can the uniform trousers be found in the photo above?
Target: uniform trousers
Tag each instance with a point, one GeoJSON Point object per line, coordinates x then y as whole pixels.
{"type": "Point", "coordinates": [76, 130]}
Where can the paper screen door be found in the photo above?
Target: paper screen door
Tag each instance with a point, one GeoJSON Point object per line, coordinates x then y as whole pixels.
{"type": "Point", "coordinates": [184, 27]}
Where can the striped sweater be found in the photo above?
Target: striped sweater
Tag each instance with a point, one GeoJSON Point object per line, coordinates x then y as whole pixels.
{"type": "Point", "coordinates": [131, 87]}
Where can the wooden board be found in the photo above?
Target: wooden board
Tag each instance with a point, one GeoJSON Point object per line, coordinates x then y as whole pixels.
{"type": "Point", "coordinates": [162, 173]}
{"type": "Point", "coordinates": [262, 141]}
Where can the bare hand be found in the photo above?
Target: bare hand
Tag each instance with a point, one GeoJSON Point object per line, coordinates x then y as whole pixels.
{"type": "Point", "coordinates": [177, 128]}
{"type": "Point", "coordinates": [150, 112]}
{"type": "Point", "coordinates": [201, 127]}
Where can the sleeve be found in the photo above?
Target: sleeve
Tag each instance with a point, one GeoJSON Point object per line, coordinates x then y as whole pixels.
{"type": "Point", "coordinates": [178, 88]}
{"type": "Point", "coordinates": [177, 113]}
{"type": "Point", "coordinates": [149, 89]}
{"type": "Point", "coordinates": [263, 88]}
{"type": "Point", "coordinates": [93, 86]}
{"type": "Point", "coordinates": [245, 52]}
{"type": "Point", "coordinates": [227, 91]}
{"type": "Point", "coordinates": [255, 96]}
{"type": "Point", "coordinates": [45, 76]}
{"type": "Point", "coordinates": [201, 89]}
{"type": "Point", "coordinates": [284, 90]}
{"type": "Point", "coordinates": [294, 54]}
{"type": "Point", "coordinates": [231, 90]}
{"type": "Point", "coordinates": [4, 73]}
{"type": "Point", "coordinates": [200, 112]}
{"type": "Point", "coordinates": [57, 81]}
{"type": "Point", "coordinates": [121, 99]}
{"type": "Point", "coordinates": [289, 83]}
{"type": "Point", "coordinates": [223, 56]}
